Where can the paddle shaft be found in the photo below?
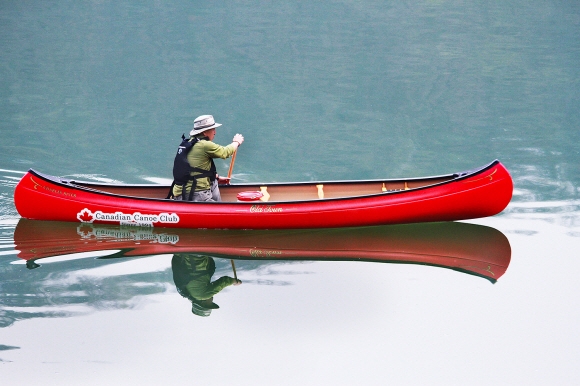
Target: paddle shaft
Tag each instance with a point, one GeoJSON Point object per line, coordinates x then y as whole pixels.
{"type": "Point", "coordinates": [232, 164]}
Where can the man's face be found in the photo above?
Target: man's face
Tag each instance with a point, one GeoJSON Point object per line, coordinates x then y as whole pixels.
{"type": "Point", "coordinates": [210, 133]}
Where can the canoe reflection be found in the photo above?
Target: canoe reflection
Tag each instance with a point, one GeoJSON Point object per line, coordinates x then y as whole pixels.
{"type": "Point", "coordinates": [468, 248]}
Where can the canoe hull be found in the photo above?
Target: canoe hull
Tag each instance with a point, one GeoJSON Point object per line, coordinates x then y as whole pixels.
{"type": "Point", "coordinates": [483, 193]}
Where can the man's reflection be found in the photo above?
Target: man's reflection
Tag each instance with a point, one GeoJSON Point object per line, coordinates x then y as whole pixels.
{"type": "Point", "coordinates": [192, 276]}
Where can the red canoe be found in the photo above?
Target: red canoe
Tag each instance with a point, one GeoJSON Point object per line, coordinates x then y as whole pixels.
{"type": "Point", "coordinates": [478, 193]}
{"type": "Point", "coordinates": [468, 248]}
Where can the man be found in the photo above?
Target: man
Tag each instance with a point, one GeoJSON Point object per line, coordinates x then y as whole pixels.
{"type": "Point", "coordinates": [200, 159]}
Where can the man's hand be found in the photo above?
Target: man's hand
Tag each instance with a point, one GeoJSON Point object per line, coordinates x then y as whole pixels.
{"type": "Point", "coordinates": [239, 139]}
{"type": "Point", "coordinates": [223, 180]}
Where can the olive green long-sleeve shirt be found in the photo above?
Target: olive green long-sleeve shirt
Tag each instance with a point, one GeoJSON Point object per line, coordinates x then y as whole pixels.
{"type": "Point", "coordinates": [200, 157]}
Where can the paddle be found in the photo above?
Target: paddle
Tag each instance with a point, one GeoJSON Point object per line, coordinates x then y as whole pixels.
{"type": "Point", "coordinates": [230, 176]}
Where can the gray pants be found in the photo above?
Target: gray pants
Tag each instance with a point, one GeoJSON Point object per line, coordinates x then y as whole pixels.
{"type": "Point", "coordinates": [212, 194]}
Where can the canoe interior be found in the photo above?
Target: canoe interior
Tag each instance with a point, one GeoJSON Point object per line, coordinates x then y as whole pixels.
{"type": "Point", "coordinates": [281, 192]}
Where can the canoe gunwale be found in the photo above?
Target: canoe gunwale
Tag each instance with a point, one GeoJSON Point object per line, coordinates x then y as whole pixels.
{"type": "Point", "coordinates": [92, 187]}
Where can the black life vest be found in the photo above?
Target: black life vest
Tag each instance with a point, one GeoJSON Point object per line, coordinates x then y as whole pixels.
{"type": "Point", "coordinates": [182, 169]}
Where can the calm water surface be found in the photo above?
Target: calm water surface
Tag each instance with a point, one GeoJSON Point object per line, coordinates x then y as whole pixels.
{"type": "Point", "coordinates": [341, 90]}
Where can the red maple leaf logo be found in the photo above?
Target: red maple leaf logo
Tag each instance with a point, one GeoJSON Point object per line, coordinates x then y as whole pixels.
{"type": "Point", "coordinates": [85, 215]}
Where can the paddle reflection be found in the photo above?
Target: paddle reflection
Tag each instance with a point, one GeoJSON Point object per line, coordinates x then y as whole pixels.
{"type": "Point", "coordinates": [192, 275]}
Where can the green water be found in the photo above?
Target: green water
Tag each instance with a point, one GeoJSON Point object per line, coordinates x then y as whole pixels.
{"type": "Point", "coordinates": [321, 91]}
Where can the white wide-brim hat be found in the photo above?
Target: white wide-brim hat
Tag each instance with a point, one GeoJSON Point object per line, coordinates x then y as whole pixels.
{"type": "Point", "coordinates": [203, 123]}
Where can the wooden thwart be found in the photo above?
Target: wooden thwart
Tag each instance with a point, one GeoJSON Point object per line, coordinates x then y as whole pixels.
{"type": "Point", "coordinates": [265, 194]}
{"type": "Point", "coordinates": [320, 191]}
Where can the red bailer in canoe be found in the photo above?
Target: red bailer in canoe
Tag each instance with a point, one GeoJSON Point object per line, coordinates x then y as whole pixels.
{"type": "Point", "coordinates": [472, 194]}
